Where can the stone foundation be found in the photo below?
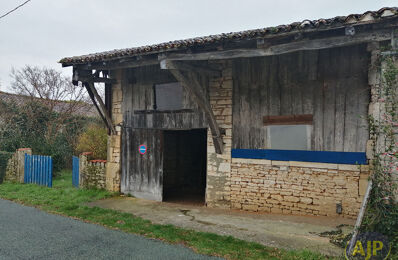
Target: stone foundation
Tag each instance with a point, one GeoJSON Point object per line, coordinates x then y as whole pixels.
{"type": "Point", "coordinates": [298, 188]}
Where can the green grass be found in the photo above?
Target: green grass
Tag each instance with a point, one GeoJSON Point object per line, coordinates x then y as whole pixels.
{"type": "Point", "coordinates": [66, 200]}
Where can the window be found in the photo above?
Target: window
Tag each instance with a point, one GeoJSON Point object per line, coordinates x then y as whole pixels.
{"type": "Point", "coordinates": [168, 96]}
{"type": "Point", "coordinates": [289, 137]}
{"type": "Point", "coordinates": [291, 132]}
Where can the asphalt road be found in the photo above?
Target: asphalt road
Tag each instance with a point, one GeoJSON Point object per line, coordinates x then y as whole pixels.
{"type": "Point", "coordinates": [28, 233]}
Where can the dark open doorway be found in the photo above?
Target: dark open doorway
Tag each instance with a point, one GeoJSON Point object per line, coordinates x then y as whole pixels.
{"type": "Point", "coordinates": [184, 166]}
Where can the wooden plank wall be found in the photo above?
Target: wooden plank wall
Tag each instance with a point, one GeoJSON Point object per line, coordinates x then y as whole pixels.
{"type": "Point", "coordinates": [138, 96]}
{"type": "Point", "coordinates": [142, 175]}
{"type": "Point", "coordinates": [331, 84]}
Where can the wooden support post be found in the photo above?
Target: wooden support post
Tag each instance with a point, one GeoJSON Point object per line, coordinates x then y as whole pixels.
{"type": "Point", "coordinates": [193, 87]}
{"type": "Point", "coordinates": [101, 108]}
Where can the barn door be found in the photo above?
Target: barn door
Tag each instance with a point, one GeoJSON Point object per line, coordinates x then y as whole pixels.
{"type": "Point", "coordinates": [142, 163]}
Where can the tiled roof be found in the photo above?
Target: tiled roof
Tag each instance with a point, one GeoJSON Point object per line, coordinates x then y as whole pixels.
{"type": "Point", "coordinates": [352, 19]}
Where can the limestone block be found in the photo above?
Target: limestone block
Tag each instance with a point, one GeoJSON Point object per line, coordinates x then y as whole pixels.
{"type": "Point", "coordinates": [276, 210]}
{"type": "Point", "coordinates": [115, 141]}
{"type": "Point", "coordinates": [280, 163]}
{"type": "Point", "coordinates": [251, 161]}
{"type": "Point", "coordinates": [365, 169]}
{"type": "Point", "coordinates": [112, 170]}
{"type": "Point", "coordinates": [306, 200]}
{"type": "Point", "coordinates": [314, 165]}
{"type": "Point", "coordinates": [236, 205]}
{"type": "Point", "coordinates": [291, 198]}
{"type": "Point", "coordinates": [224, 167]}
{"type": "Point", "coordinates": [227, 111]}
{"type": "Point", "coordinates": [250, 207]}
{"type": "Point", "coordinates": [370, 149]}
{"type": "Point", "coordinates": [349, 167]}
{"type": "Point", "coordinates": [277, 197]}
{"type": "Point", "coordinates": [339, 180]}
{"type": "Point", "coordinates": [117, 118]}
{"type": "Point", "coordinates": [363, 185]}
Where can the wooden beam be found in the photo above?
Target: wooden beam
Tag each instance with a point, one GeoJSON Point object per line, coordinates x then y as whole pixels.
{"type": "Point", "coordinates": [108, 101]}
{"type": "Point", "coordinates": [119, 64]}
{"type": "Point", "coordinates": [91, 95]}
{"type": "Point", "coordinates": [301, 45]}
{"type": "Point", "coordinates": [97, 80]}
{"type": "Point", "coordinates": [305, 119]}
{"type": "Point", "coordinates": [84, 75]}
{"type": "Point", "coordinates": [193, 87]}
{"type": "Point", "coordinates": [101, 108]}
{"type": "Point", "coordinates": [166, 64]}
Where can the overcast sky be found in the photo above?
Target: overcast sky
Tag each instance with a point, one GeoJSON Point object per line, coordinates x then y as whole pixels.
{"type": "Point", "coordinates": [44, 31]}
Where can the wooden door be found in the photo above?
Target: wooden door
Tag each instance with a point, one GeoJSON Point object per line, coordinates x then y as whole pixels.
{"type": "Point", "coordinates": [142, 169]}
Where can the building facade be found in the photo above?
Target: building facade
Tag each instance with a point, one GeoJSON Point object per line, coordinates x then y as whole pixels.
{"type": "Point", "coordinates": [269, 120]}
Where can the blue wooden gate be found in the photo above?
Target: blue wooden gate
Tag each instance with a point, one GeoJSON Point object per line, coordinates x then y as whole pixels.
{"type": "Point", "coordinates": [75, 171]}
{"type": "Point", "coordinates": [38, 169]}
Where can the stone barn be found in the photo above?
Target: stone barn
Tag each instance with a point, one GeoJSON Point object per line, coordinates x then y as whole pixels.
{"type": "Point", "coordinates": [269, 120]}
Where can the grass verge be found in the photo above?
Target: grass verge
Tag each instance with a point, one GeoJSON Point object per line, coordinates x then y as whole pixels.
{"type": "Point", "coordinates": [66, 200]}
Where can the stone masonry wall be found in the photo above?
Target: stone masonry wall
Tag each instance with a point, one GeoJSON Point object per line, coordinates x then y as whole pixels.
{"type": "Point", "coordinates": [298, 188]}
{"type": "Point", "coordinates": [377, 108]}
{"type": "Point", "coordinates": [91, 173]}
{"type": "Point", "coordinates": [15, 170]}
{"type": "Point", "coordinates": [219, 165]}
{"type": "Point", "coordinates": [113, 155]}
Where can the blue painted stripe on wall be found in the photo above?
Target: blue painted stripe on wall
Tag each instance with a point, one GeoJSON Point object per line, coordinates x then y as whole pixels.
{"type": "Point", "coordinates": [301, 156]}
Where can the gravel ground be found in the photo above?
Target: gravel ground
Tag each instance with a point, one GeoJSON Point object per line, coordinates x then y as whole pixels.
{"type": "Point", "coordinates": [28, 233]}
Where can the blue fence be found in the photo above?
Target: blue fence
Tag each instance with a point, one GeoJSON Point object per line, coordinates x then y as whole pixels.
{"type": "Point", "coordinates": [75, 171]}
{"type": "Point", "coordinates": [39, 170]}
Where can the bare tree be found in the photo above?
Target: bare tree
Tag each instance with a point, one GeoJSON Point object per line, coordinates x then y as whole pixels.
{"type": "Point", "coordinates": [50, 86]}
{"type": "Point", "coordinates": [55, 91]}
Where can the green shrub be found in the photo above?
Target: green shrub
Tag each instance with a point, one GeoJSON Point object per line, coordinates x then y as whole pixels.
{"type": "Point", "coordinates": [33, 125]}
{"type": "Point", "coordinates": [94, 140]}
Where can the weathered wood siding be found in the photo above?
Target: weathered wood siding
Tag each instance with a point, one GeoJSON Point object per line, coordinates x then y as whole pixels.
{"type": "Point", "coordinates": [142, 174]}
{"type": "Point", "coordinates": [138, 97]}
{"type": "Point", "coordinates": [331, 84]}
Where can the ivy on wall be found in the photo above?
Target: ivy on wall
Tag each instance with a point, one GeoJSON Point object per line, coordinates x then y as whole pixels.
{"type": "Point", "coordinates": [382, 211]}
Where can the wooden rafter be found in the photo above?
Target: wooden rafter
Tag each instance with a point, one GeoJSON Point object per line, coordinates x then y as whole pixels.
{"type": "Point", "coordinates": [99, 104]}
{"type": "Point", "coordinates": [91, 95]}
{"type": "Point", "coordinates": [88, 79]}
{"type": "Point", "coordinates": [88, 76]}
{"type": "Point", "coordinates": [133, 62]}
{"type": "Point", "coordinates": [195, 90]}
